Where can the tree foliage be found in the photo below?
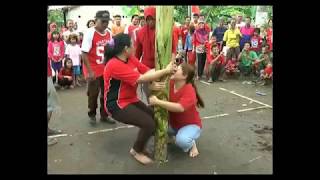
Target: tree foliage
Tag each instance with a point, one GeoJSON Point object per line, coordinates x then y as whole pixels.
{"type": "Point", "coordinates": [56, 16]}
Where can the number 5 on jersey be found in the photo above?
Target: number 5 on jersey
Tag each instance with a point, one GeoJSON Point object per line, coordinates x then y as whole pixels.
{"type": "Point", "coordinates": [100, 53]}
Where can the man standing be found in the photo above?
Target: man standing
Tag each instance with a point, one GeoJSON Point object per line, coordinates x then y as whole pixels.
{"type": "Point", "coordinates": [145, 43]}
{"type": "Point", "coordinates": [195, 20]}
{"type": "Point", "coordinates": [70, 30]}
{"type": "Point", "coordinates": [232, 38]}
{"type": "Point", "coordinates": [219, 32]}
{"type": "Point", "coordinates": [117, 27]}
{"type": "Point", "coordinates": [93, 45]}
{"type": "Point", "coordinates": [247, 32]}
{"type": "Point", "coordinates": [134, 24]}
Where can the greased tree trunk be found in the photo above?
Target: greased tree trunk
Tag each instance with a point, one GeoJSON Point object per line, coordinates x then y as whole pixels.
{"type": "Point", "coordinates": [163, 53]}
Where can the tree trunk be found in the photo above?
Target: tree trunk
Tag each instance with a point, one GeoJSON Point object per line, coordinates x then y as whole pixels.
{"type": "Point", "coordinates": [163, 53]}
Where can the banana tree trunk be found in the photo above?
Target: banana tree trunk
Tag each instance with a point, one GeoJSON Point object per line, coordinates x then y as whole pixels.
{"type": "Point", "coordinates": [163, 53]}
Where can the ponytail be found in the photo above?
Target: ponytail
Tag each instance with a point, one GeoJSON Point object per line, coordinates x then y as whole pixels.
{"type": "Point", "coordinates": [116, 45]}
{"type": "Point", "coordinates": [200, 102]}
{"type": "Point", "coordinates": [190, 72]}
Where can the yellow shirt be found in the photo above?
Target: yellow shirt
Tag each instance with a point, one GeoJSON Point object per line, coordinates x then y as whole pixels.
{"type": "Point", "coordinates": [232, 37]}
{"type": "Point", "coordinates": [117, 29]}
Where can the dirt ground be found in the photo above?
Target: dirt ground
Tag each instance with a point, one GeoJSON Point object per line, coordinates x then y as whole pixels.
{"type": "Point", "coordinates": [231, 142]}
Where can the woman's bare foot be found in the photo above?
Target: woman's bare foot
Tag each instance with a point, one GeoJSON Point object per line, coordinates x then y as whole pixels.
{"type": "Point", "coordinates": [140, 157]}
{"type": "Point", "coordinates": [194, 151]}
{"type": "Point", "coordinates": [71, 87]}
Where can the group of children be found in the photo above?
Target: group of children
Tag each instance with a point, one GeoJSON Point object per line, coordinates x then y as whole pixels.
{"type": "Point", "coordinates": [65, 57]}
{"type": "Point", "coordinates": [255, 58]}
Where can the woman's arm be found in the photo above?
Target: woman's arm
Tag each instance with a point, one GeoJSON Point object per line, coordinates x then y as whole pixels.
{"type": "Point", "coordinates": [170, 106]}
{"type": "Point", "coordinates": [153, 75]}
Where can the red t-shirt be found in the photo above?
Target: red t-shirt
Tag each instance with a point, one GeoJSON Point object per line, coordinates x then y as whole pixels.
{"type": "Point", "coordinates": [211, 57]}
{"type": "Point", "coordinates": [268, 70]}
{"type": "Point", "coordinates": [93, 43]}
{"type": "Point", "coordinates": [120, 83]}
{"type": "Point", "coordinates": [269, 37]}
{"type": "Point", "coordinates": [130, 29]}
{"type": "Point", "coordinates": [65, 72]}
{"type": "Point", "coordinates": [186, 96]}
{"type": "Point", "coordinates": [256, 43]}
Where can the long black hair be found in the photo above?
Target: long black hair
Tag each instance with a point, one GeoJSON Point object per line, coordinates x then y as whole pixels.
{"type": "Point", "coordinates": [189, 70]}
{"type": "Point", "coordinates": [53, 33]}
{"type": "Point", "coordinates": [116, 45]}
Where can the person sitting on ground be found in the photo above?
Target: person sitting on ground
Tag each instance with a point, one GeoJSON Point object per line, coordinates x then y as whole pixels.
{"type": "Point", "coordinates": [215, 64]}
{"type": "Point", "coordinates": [184, 119]}
{"type": "Point", "coordinates": [122, 74]}
{"type": "Point", "coordinates": [262, 61]}
{"type": "Point", "coordinates": [231, 67]}
{"type": "Point", "coordinates": [266, 74]}
{"type": "Point", "coordinates": [65, 77]}
{"type": "Point", "coordinates": [246, 59]}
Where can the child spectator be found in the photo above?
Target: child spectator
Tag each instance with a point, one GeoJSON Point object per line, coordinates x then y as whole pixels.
{"type": "Point", "coordinates": [256, 41]}
{"type": "Point", "coordinates": [73, 52]}
{"type": "Point", "coordinates": [56, 52]}
{"type": "Point", "coordinates": [65, 75]}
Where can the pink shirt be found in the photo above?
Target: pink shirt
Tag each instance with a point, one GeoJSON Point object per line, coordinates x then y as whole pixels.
{"type": "Point", "coordinates": [247, 31]}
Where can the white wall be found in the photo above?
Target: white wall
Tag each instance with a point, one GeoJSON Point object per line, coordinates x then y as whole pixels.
{"type": "Point", "coordinates": [88, 12]}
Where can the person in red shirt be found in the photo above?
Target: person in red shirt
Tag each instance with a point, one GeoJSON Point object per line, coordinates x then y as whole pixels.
{"type": "Point", "coordinates": [184, 119]}
{"type": "Point", "coordinates": [256, 41]}
{"type": "Point", "coordinates": [56, 52]}
{"type": "Point", "coordinates": [65, 77]}
{"type": "Point", "coordinates": [93, 47]}
{"type": "Point", "coordinates": [176, 34]}
{"type": "Point", "coordinates": [135, 24]}
{"type": "Point", "coordinates": [185, 30]}
{"type": "Point", "coordinates": [122, 74]}
{"type": "Point", "coordinates": [266, 74]}
{"type": "Point", "coordinates": [215, 64]}
{"type": "Point", "coordinates": [270, 35]}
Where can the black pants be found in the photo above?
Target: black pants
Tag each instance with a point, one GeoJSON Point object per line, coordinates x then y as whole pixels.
{"type": "Point", "coordinates": [94, 87]}
{"type": "Point", "coordinates": [138, 114]}
{"type": "Point", "coordinates": [64, 82]}
{"type": "Point", "coordinates": [201, 61]}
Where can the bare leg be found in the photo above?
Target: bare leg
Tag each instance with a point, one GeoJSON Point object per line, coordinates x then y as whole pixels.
{"type": "Point", "coordinates": [194, 150]}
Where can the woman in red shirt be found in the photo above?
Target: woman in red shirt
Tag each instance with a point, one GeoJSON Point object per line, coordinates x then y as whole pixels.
{"type": "Point", "coordinates": [184, 119]}
{"type": "Point", "coordinates": [122, 74]}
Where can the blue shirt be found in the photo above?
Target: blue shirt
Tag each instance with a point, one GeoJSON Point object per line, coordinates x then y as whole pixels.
{"type": "Point", "coordinates": [219, 32]}
{"type": "Point", "coordinates": [188, 43]}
